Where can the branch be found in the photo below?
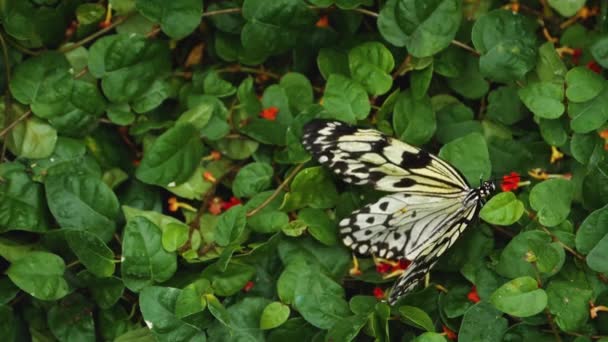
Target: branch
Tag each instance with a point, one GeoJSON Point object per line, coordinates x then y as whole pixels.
{"type": "Point", "coordinates": [14, 123]}
{"type": "Point", "coordinates": [68, 48]}
{"type": "Point", "coordinates": [277, 191]}
{"type": "Point", "coordinates": [466, 47]}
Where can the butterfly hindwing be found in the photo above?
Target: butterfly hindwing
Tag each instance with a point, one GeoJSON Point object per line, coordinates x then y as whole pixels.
{"type": "Point", "coordinates": [399, 225]}
{"type": "Point", "coordinates": [431, 252]}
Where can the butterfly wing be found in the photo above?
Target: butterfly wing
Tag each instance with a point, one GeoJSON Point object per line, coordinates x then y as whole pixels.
{"type": "Point", "coordinates": [366, 156]}
{"type": "Point", "coordinates": [432, 205]}
{"type": "Point", "coordinates": [431, 251]}
{"type": "Point", "coordinates": [403, 225]}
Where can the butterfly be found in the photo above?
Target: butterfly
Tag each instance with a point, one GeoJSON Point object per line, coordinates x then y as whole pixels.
{"type": "Point", "coordinates": [429, 206]}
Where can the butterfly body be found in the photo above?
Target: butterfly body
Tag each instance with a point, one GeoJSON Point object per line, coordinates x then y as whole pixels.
{"type": "Point", "coordinates": [430, 206]}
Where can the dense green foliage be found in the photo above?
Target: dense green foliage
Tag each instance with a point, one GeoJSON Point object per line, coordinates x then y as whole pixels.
{"type": "Point", "coordinates": [153, 184]}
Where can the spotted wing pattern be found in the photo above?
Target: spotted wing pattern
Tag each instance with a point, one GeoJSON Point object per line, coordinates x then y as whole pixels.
{"type": "Point", "coordinates": [431, 253]}
{"type": "Point", "coordinates": [366, 156]}
{"type": "Point", "coordinates": [400, 225]}
{"type": "Point", "coordinates": [430, 206]}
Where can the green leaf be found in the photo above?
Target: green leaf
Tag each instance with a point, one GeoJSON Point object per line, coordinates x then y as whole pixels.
{"type": "Point", "coordinates": [144, 261]}
{"type": "Point", "coordinates": [175, 235]}
{"type": "Point", "coordinates": [320, 300]}
{"type": "Point", "coordinates": [551, 199]}
{"type": "Point", "coordinates": [274, 27]}
{"type": "Point", "coordinates": [424, 29]}
{"type": "Point", "coordinates": [569, 303]}
{"type": "Point", "coordinates": [347, 328]}
{"type": "Point", "coordinates": [32, 138]}
{"type": "Point", "coordinates": [244, 322]}
{"type": "Point", "coordinates": [589, 115]}
{"type": "Point", "coordinates": [40, 274]}
{"type": "Point", "coordinates": [311, 187]}
{"type": "Point", "coordinates": [94, 254]}
{"type": "Point", "coordinates": [470, 83]}
{"type": "Point", "coordinates": [218, 310]}
{"type": "Point", "coordinates": [22, 204]}
{"type": "Point", "coordinates": [599, 50]}
{"type": "Point", "coordinates": [416, 317]}
{"type": "Point", "coordinates": [507, 44]}
{"type": "Point", "coordinates": [229, 281]}
{"type": "Point", "coordinates": [177, 18]}
{"type": "Point", "coordinates": [469, 154]}
{"type": "Point", "coordinates": [543, 99]}
{"type": "Point", "coordinates": [158, 309]}
{"type": "Point", "coordinates": [597, 259]}
{"type": "Point", "coordinates": [105, 291]}
{"type": "Point", "coordinates": [82, 202]}
{"type": "Point", "coordinates": [550, 67]}
{"type": "Point", "coordinates": [320, 226]}
{"type": "Point", "coordinates": [370, 64]}
{"type": "Point", "coordinates": [230, 225]}
{"type": "Point", "coordinates": [71, 319]}
{"type": "Point", "coordinates": [430, 337]}
{"type": "Point", "coordinates": [553, 132]}
{"type": "Point", "coordinates": [298, 90]}
{"type": "Point", "coordinates": [592, 230]}
{"type": "Point", "coordinates": [345, 99]}
{"type": "Point", "coordinates": [158, 92]}
{"type": "Point", "coordinates": [484, 315]}
{"type": "Point", "coordinates": [520, 297]}
{"type": "Point", "coordinates": [526, 246]}
{"type": "Point", "coordinates": [583, 84]}
{"type": "Point", "coordinates": [44, 82]}
{"type": "Point", "coordinates": [269, 219]}
{"type": "Point", "coordinates": [172, 158]}
{"type": "Point", "coordinates": [414, 119]}
{"type": "Point", "coordinates": [586, 147]}
{"type": "Point", "coordinates": [333, 61]}
{"type": "Point", "coordinates": [128, 64]}
{"type": "Point", "coordinates": [252, 179]}
{"type": "Point", "coordinates": [192, 298]}
{"type": "Point", "coordinates": [567, 8]}
{"type": "Point", "coordinates": [274, 315]}
{"type": "Point", "coordinates": [503, 209]}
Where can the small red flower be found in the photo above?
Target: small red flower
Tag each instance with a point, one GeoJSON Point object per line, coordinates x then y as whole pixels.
{"type": "Point", "coordinates": [383, 268]}
{"type": "Point", "coordinates": [473, 296]}
{"type": "Point", "coordinates": [510, 182]}
{"type": "Point", "coordinates": [230, 203]}
{"type": "Point", "coordinates": [378, 293]}
{"type": "Point", "coordinates": [403, 264]}
{"type": "Point", "coordinates": [449, 333]}
{"type": "Point", "coordinates": [593, 66]}
{"type": "Point", "coordinates": [322, 22]}
{"type": "Point", "coordinates": [250, 284]}
{"type": "Point", "coordinates": [576, 56]}
{"type": "Point", "coordinates": [269, 113]}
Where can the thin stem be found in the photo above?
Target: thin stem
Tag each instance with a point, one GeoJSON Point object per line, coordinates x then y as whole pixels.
{"type": "Point", "coordinates": [7, 62]}
{"type": "Point", "coordinates": [366, 12]}
{"type": "Point", "coordinates": [93, 36]}
{"type": "Point", "coordinates": [465, 46]}
{"type": "Point", "coordinates": [14, 123]}
{"type": "Point", "coordinates": [566, 247]}
{"type": "Point", "coordinates": [277, 191]}
{"type": "Point", "coordinates": [222, 11]}
{"type": "Point", "coordinates": [239, 68]}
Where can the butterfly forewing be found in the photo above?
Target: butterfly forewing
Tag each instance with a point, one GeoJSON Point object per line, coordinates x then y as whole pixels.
{"type": "Point", "coordinates": [430, 206]}
{"type": "Point", "coordinates": [366, 156]}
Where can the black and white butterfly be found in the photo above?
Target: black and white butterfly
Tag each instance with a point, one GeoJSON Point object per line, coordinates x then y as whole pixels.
{"type": "Point", "coordinates": [430, 205]}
